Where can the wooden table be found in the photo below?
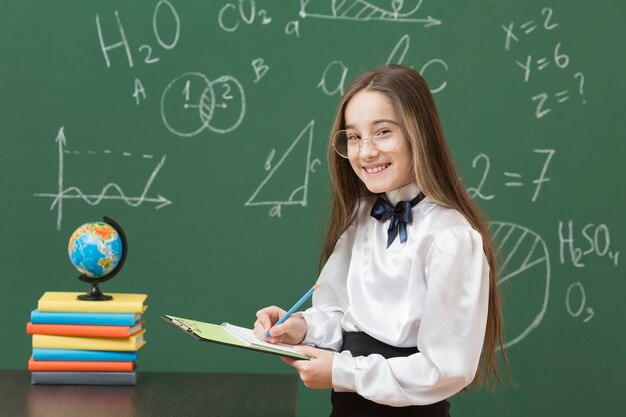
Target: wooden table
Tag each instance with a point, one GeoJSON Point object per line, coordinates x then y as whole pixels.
{"type": "Point", "coordinates": [156, 394]}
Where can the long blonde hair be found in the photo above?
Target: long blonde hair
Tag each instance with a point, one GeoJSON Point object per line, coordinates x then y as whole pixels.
{"type": "Point", "coordinates": [435, 174]}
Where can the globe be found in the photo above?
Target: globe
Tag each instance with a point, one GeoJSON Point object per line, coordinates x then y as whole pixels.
{"type": "Point", "coordinates": [95, 249]}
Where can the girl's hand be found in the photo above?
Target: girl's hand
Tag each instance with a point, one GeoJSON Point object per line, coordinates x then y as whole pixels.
{"type": "Point", "coordinates": [292, 331]}
{"type": "Point", "coordinates": [318, 371]}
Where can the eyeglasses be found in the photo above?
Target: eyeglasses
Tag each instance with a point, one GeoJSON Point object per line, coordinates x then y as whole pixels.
{"type": "Point", "coordinates": [347, 143]}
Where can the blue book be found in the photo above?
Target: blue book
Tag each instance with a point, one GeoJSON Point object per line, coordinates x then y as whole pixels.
{"type": "Point", "coordinates": [108, 319]}
{"type": "Point", "coordinates": [82, 355]}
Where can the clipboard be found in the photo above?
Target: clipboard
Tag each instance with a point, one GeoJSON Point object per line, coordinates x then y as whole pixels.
{"type": "Point", "coordinates": [217, 333]}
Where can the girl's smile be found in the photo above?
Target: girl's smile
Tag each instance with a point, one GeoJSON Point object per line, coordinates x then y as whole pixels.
{"type": "Point", "coordinates": [376, 168]}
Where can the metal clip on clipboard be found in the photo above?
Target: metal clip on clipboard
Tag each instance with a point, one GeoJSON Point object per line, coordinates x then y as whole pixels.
{"type": "Point", "coordinates": [181, 325]}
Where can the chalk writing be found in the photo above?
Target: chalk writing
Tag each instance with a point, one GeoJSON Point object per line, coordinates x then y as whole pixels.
{"type": "Point", "coordinates": [598, 241]}
{"type": "Point", "coordinates": [512, 179]}
{"type": "Point", "coordinates": [260, 68]}
{"type": "Point", "coordinates": [335, 74]}
{"type": "Point", "coordinates": [528, 27]}
{"type": "Point", "coordinates": [192, 103]}
{"type": "Point", "coordinates": [94, 199]}
{"type": "Point", "coordinates": [362, 11]}
{"type": "Point", "coordinates": [293, 28]}
{"type": "Point", "coordinates": [582, 304]}
{"type": "Point", "coordinates": [544, 101]}
{"type": "Point", "coordinates": [230, 16]}
{"type": "Point", "coordinates": [297, 196]}
{"type": "Point", "coordinates": [477, 191]}
{"type": "Point", "coordinates": [399, 52]}
{"type": "Point", "coordinates": [526, 264]}
{"type": "Point", "coordinates": [106, 47]}
{"type": "Point", "coordinates": [139, 91]}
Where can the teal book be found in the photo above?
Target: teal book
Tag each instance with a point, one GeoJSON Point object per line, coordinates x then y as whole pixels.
{"type": "Point", "coordinates": [106, 319]}
{"type": "Point", "coordinates": [83, 355]}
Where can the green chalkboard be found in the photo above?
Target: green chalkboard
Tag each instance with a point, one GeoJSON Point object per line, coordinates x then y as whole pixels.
{"type": "Point", "coordinates": [200, 127]}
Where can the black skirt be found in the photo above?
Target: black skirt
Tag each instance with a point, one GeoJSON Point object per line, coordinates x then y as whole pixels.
{"type": "Point", "coordinates": [348, 404]}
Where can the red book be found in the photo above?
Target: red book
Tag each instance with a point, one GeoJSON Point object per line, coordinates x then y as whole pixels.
{"type": "Point", "coordinates": [80, 366]}
{"type": "Point", "coordinates": [83, 330]}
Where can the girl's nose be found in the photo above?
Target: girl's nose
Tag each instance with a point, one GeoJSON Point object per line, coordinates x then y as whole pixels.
{"type": "Point", "coordinates": [368, 149]}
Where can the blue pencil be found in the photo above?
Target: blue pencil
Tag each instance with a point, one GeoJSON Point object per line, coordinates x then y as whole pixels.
{"type": "Point", "coordinates": [294, 308]}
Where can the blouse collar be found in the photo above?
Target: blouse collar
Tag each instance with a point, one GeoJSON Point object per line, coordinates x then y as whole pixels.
{"type": "Point", "coordinates": [406, 192]}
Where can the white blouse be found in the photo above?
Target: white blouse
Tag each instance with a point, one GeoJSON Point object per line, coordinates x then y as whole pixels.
{"type": "Point", "coordinates": [431, 292]}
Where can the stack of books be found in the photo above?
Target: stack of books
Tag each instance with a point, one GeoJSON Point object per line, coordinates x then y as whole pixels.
{"type": "Point", "coordinates": [86, 342]}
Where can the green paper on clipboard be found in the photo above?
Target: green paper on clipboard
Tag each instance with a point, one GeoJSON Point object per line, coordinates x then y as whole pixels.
{"type": "Point", "coordinates": [230, 335]}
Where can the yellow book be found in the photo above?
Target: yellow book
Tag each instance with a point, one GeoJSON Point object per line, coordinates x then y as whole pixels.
{"type": "Point", "coordinates": [132, 343]}
{"type": "Point", "coordinates": [67, 302]}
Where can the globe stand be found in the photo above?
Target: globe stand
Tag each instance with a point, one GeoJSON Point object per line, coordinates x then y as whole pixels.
{"type": "Point", "coordinates": [95, 294]}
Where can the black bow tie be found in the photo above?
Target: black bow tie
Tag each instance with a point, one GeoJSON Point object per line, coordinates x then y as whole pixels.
{"type": "Point", "coordinates": [400, 216]}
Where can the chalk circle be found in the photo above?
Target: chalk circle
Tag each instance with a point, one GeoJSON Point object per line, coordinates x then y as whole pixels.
{"type": "Point", "coordinates": [523, 279]}
{"type": "Point", "coordinates": [230, 93]}
{"type": "Point", "coordinates": [181, 107]}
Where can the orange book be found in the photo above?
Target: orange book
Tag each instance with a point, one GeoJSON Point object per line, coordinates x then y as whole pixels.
{"type": "Point", "coordinates": [80, 366]}
{"type": "Point", "coordinates": [83, 330]}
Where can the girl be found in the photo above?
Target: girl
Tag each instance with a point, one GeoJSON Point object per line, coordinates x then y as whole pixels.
{"type": "Point", "coordinates": [407, 296]}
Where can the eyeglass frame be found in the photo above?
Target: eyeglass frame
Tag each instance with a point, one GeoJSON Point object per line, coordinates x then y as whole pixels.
{"type": "Point", "coordinates": [360, 141]}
